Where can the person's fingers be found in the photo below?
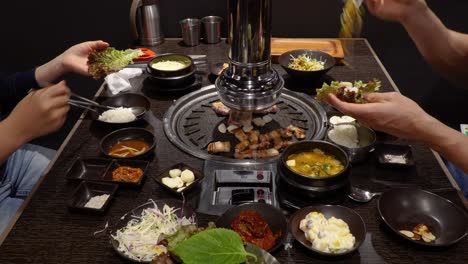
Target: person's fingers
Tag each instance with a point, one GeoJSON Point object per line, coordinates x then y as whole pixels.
{"type": "Point", "coordinates": [98, 45]}
{"type": "Point", "coordinates": [59, 89]}
{"type": "Point", "coordinates": [379, 97]}
{"type": "Point", "coordinates": [355, 110]}
{"type": "Point", "coordinates": [372, 4]}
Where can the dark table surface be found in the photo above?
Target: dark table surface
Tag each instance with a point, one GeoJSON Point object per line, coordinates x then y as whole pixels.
{"type": "Point", "coordinates": [47, 232]}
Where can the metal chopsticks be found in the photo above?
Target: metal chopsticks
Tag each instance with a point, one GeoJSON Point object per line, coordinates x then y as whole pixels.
{"type": "Point", "coordinates": [85, 103]}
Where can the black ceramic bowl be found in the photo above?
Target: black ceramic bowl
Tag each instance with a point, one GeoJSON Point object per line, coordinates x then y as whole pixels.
{"type": "Point", "coordinates": [189, 66]}
{"type": "Point", "coordinates": [302, 146]}
{"type": "Point", "coordinates": [131, 133]}
{"type": "Point", "coordinates": [404, 208]}
{"type": "Point", "coordinates": [353, 219]}
{"type": "Point", "coordinates": [272, 215]}
{"type": "Point", "coordinates": [181, 212]}
{"type": "Point", "coordinates": [287, 57]}
{"type": "Point", "coordinates": [124, 100]}
{"type": "Point", "coordinates": [169, 83]}
{"type": "Point", "coordinates": [181, 166]}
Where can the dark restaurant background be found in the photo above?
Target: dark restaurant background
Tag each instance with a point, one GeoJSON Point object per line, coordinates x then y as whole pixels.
{"type": "Point", "coordinates": [32, 32]}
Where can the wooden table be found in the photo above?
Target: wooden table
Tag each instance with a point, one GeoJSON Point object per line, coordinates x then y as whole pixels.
{"type": "Point", "coordinates": [47, 232]}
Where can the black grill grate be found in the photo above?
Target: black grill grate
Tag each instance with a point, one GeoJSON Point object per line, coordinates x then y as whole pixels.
{"type": "Point", "coordinates": [191, 124]}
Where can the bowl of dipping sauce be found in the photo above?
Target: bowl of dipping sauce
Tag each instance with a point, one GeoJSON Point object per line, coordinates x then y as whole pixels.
{"type": "Point", "coordinates": [171, 66]}
{"type": "Point", "coordinates": [128, 143]}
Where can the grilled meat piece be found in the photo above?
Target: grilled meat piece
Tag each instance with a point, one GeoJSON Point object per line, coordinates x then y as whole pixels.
{"type": "Point", "coordinates": [219, 146]}
{"type": "Point", "coordinates": [220, 108]}
{"type": "Point", "coordinates": [299, 133]}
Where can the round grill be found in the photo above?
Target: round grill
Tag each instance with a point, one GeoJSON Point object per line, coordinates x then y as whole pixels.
{"type": "Point", "coordinates": [191, 124]}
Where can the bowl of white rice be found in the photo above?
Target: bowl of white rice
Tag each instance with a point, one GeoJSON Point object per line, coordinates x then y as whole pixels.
{"type": "Point", "coordinates": [358, 141]}
{"type": "Point", "coordinates": [120, 114]}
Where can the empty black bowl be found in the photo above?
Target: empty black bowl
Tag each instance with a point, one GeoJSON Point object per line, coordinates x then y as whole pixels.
{"type": "Point", "coordinates": [124, 100]}
{"type": "Point", "coordinates": [129, 133]}
{"type": "Point", "coordinates": [353, 219]}
{"type": "Point", "coordinates": [182, 211]}
{"type": "Point", "coordinates": [287, 57]}
{"type": "Point", "coordinates": [189, 66]}
{"type": "Point", "coordinates": [404, 208]}
{"type": "Point", "coordinates": [272, 215]}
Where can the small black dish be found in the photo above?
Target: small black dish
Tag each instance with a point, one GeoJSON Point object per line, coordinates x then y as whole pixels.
{"type": "Point", "coordinates": [142, 164]}
{"type": "Point", "coordinates": [353, 219]}
{"type": "Point", "coordinates": [189, 66]}
{"type": "Point", "coordinates": [181, 211]}
{"type": "Point", "coordinates": [272, 215]}
{"type": "Point", "coordinates": [87, 169]}
{"type": "Point", "coordinates": [286, 58]}
{"type": "Point", "coordinates": [394, 155]}
{"type": "Point", "coordinates": [404, 208]}
{"type": "Point", "coordinates": [86, 190]}
{"type": "Point", "coordinates": [123, 100]}
{"type": "Point", "coordinates": [130, 133]}
{"type": "Point", "coordinates": [181, 166]}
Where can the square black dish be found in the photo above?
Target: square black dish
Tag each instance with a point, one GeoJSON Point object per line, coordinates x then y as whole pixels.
{"type": "Point", "coordinates": [394, 155]}
{"type": "Point", "coordinates": [181, 166]}
{"type": "Point", "coordinates": [88, 169]}
{"type": "Point", "coordinates": [87, 190]}
{"type": "Point", "coordinates": [134, 164]}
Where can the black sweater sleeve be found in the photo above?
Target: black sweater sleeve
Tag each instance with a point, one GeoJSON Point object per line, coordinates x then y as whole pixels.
{"type": "Point", "coordinates": [14, 87]}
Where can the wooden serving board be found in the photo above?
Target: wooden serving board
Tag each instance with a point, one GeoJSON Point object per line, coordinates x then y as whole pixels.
{"type": "Point", "coordinates": [330, 46]}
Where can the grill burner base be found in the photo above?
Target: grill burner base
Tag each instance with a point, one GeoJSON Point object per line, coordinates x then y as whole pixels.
{"type": "Point", "coordinates": [227, 184]}
{"type": "Point", "coordinates": [291, 196]}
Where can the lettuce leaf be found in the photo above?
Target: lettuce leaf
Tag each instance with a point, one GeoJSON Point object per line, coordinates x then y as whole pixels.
{"type": "Point", "coordinates": [339, 89]}
{"type": "Point", "coordinates": [104, 62]}
{"type": "Point", "coordinates": [215, 246]}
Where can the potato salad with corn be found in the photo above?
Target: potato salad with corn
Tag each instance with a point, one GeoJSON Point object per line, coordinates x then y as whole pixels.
{"type": "Point", "coordinates": [327, 235]}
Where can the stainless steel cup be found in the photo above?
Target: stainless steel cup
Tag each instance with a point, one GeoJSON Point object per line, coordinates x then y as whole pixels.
{"type": "Point", "coordinates": [190, 31]}
{"type": "Point", "coordinates": [212, 26]}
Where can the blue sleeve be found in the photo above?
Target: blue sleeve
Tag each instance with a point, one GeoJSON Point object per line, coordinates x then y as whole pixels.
{"type": "Point", "coordinates": [15, 87]}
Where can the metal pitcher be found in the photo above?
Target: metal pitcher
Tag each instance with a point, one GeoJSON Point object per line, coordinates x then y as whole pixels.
{"type": "Point", "coordinates": [145, 22]}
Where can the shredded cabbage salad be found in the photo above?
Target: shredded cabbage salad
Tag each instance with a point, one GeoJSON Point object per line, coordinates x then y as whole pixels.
{"type": "Point", "coordinates": [140, 239]}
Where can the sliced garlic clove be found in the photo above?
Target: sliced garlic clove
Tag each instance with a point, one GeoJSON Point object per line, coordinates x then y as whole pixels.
{"type": "Point", "coordinates": [231, 128]}
{"type": "Point", "coordinates": [407, 233]}
{"type": "Point", "coordinates": [267, 118]}
{"type": "Point", "coordinates": [180, 189]}
{"type": "Point", "coordinates": [171, 182]}
{"type": "Point", "coordinates": [258, 122]}
{"type": "Point", "coordinates": [175, 173]}
{"type": "Point", "coordinates": [247, 128]}
{"type": "Point", "coordinates": [222, 128]}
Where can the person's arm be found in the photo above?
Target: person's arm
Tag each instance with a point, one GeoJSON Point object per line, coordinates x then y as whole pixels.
{"type": "Point", "coordinates": [445, 49]}
{"type": "Point", "coordinates": [450, 143]}
{"type": "Point", "coordinates": [400, 116]}
{"type": "Point", "coordinates": [39, 113]}
{"type": "Point", "coordinates": [73, 59]}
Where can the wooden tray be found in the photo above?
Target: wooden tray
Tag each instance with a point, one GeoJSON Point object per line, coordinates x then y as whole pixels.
{"type": "Point", "coordinates": [330, 46]}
